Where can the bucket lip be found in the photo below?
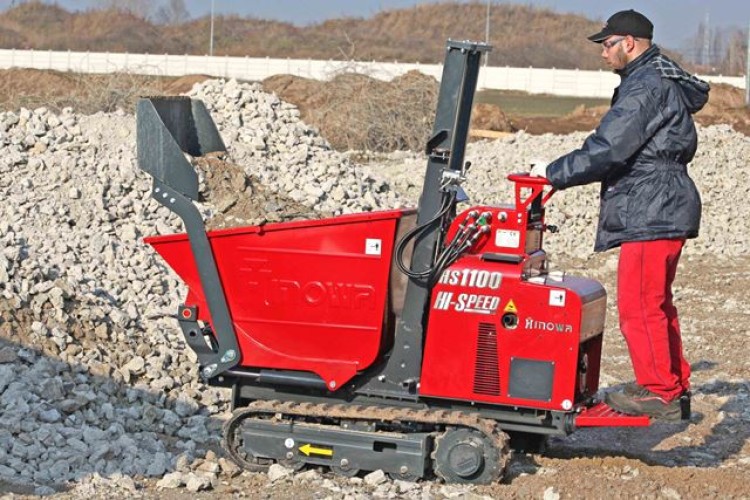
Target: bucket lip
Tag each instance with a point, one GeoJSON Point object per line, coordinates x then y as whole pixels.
{"type": "Point", "coordinates": [281, 226]}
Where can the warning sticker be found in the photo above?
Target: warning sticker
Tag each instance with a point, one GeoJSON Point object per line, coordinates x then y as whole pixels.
{"type": "Point", "coordinates": [373, 246]}
{"type": "Point", "coordinates": [508, 239]}
{"type": "Point", "coordinates": [557, 298]}
{"type": "Point", "coordinates": [510, 307]}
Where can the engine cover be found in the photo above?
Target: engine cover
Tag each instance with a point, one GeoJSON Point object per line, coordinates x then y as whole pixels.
{"type": "Point", "coordinates": [497, 336]}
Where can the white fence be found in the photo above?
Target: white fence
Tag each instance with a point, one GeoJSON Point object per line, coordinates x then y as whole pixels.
{"type": "Point", "coordinates": [534, 80]}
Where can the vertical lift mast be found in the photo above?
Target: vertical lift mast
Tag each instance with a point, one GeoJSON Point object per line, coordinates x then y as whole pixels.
{"type": "Point", "coordinates": [445, 150]}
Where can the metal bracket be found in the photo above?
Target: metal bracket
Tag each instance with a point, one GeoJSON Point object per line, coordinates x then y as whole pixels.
{"type": "Point", "coordinates": [167, 128]}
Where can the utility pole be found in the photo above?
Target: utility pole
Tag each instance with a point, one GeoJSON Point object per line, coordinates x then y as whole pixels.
{"type": "Point", "coordinates": [487, 33]}
{"type": "Point", "coordinates": [706, 42]}
{"type": "Point", "coordinates": [747, 69]}
{"type": "Point", "coordinates": [211, 43]}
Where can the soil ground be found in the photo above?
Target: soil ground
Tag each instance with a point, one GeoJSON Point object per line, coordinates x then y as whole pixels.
{"type": "Point", "coordinates": [709, 456]}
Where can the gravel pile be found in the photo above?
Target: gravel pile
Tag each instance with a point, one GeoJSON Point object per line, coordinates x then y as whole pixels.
{"type": "Point", "coordinates": [95, 378]}
{"type": "Point", "coordinates": [266, 136]}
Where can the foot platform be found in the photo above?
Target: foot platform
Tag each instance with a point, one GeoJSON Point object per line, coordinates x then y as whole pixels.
{"type": "Point", "coordinates": [602, 415]}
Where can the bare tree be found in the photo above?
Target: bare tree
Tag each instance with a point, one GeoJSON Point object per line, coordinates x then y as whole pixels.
{"type": "Point", "coordinates": [140, 8]}
{"type": "Point", "coordinates": [734, 58]}
{"type": "Point", "coordinates": [174, 12]}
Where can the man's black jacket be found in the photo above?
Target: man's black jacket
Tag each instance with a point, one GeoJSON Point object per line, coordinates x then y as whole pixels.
{"type": "Point", "coordinates": [639, 153]}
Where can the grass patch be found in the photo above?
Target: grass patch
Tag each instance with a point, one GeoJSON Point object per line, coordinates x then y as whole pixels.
{"type": "Point", "coordinates": [523, 104]}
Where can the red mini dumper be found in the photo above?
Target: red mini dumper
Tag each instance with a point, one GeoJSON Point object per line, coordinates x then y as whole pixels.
{"type": "Point", "coordinates": [418, 342]}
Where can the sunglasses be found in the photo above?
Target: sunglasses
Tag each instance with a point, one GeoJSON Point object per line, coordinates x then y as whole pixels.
{"type": "Point", "coordinates": [608, 44]}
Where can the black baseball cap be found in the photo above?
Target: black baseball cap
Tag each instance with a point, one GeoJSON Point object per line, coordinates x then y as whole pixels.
{"type": "Point", "coordinates": [625, 22]}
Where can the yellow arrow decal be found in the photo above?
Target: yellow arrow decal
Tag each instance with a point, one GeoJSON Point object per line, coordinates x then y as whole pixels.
{"type": "Point", "coordinates": [510, 307]}
{"type": "Point", "coordinates": [309, 449]}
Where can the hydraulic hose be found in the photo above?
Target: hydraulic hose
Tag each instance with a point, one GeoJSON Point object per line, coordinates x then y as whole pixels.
{"type": "Point", "coordinates": [446, 205]}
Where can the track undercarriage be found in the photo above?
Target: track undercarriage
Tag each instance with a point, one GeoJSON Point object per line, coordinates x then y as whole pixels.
{"type": "Point", "coordinates": [407, 444]}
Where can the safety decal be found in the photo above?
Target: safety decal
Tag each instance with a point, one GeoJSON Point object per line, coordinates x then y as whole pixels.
{"type": "Point", "coordinates": [510, 307]}
{"type": "Point", "coordinates": [507, 239]}
{"type": "Point", "coordinates": [309, 449]}
{"type": "Point", "coordinates": [373, 246]}
{"type": "Point", "coordinates": [557, 298]}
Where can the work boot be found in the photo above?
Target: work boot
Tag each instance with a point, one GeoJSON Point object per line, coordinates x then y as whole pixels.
{"type": "Point", "coordinates": [632, 388]}
{"type": "Point", "coordinates": [645, 402]}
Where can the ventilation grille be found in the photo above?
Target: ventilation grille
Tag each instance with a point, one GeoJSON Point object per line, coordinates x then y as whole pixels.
{"type": "Point", "coordinates": [486, 371]}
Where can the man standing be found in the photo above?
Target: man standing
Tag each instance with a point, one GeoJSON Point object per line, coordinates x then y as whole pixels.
{"type": "Point", "coordinates": [648, 207]}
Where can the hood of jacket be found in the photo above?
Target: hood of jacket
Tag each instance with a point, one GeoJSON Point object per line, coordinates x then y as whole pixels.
{"type": "Point", "coordinates": [693, 90]}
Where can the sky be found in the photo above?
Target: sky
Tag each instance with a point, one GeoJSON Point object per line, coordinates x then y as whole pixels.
{"type": "Point", "coordinates": [675, 20]}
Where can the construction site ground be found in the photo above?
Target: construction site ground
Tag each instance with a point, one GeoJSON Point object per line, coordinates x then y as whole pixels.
{"type": "Point", "coordinates": [709, 456]}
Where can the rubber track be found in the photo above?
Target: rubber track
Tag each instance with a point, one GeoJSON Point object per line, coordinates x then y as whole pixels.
{"type": "Point", "coordinates": [487, 427]}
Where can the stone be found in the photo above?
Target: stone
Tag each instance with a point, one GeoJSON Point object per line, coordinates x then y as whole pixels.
{"type": "Point", "coordinates": [184, 407]}
{"type": "Point", "coordinates": [182, 463]}
{"type": "Point", "coordinates": [375, 478]}
{"type": "Point", "coordinates": [229, 468]}
{"type": "Point", "coordinates": [50, 416]}
{"type": "Point", "coordinates": [277, 472]}
{"type": "Point", "coordinates": [551, 493]}
{"type": "Point", "coordinates": [7, 374]}
{"type": "Point", "coordinates": [310, 475]}
{"type": "Point", "coordinates": [158, 466]}
{"type": "Point", "coordinates": [196, 483]}
{"type": "Point", "coordinates": [171, 481]}
{"type": "Point", "coordinates": [405, 486]}
{"type": "Point", "coordinates": [136, 365]}
{"type": "Point", "coordinates": [8, 355]}
{"type": "Point", "coordinates": [670, 493]}
{"type": "Point", "coordinates": [454, 491]}
{"type": "Point", "coordinates": [209, 467]}
{"type": "Point", "coordinates": [44, 491]}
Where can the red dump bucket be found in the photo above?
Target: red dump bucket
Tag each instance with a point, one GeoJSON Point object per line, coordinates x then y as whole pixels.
{"type": "Point", "coordinates": [307, 295]}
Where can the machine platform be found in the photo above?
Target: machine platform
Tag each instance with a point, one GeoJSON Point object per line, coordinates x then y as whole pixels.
{"type": "Point", "coordinates": [601, 415]}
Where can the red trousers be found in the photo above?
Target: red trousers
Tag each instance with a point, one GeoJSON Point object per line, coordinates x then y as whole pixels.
{"type": "Point", "coordinates": [648, 319]}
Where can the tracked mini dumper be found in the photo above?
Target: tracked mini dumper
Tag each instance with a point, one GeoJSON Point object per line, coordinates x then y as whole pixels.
{"type": "Point", "coordinates": [343, 354]}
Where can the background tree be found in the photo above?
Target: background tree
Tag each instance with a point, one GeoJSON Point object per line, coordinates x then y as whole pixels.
{"type": "Point", "coordinates": [140, 8]}
{"type": "Point", "coordinates": [173, 12]}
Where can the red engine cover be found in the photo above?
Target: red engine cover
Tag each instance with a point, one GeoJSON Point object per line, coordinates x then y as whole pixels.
{"type": "Point", "coordinates": [473, 353]}
{"type": "Point", "coordinates": [306, 295]}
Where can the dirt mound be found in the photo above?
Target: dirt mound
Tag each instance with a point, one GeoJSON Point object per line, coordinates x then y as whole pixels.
{"type": "Point", "coordinates": [17, 82]}
{"type": "Point", "coordinates": [240, 200]}
{"type": "Point", "coordinates": [491, 117]}
{"type": "Point", "coordinates": [726, 104]}
{"type": "Point", "coordinates": [302, 92]}
{"type": "Point", "coordinates": [88, 94]}
{"type": "Point", "coordinates": [724, 97]}
{"type": "Point", "coordinates": [184, 84]}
